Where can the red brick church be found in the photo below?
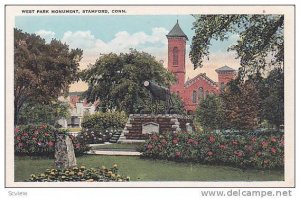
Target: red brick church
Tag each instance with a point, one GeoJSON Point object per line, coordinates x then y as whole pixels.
{"type": "Point", "coordinates": [197, 88]}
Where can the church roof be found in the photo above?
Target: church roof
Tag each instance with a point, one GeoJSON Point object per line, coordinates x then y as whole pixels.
{"type": "Point", "coordinates": [176, 31]}
{"type": "Point", "coordinates": [224, 68]}
{"type": "Point", "coordinates": [200, 76]}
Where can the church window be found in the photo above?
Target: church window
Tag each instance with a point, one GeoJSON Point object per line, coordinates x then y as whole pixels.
{"type": "Point", "coordinates": [194, 97]}
{"type": "Point", "coordinates": [175, 56]}
{"type": "Point", "coordinates": [201, 93]}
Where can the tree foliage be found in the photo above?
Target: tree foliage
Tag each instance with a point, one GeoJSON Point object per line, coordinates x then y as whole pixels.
{"type": "Point", "coordinates": [42, 71]}
{"type": "Point", "coordinates": [273, 102]}
{"type": "Point", "coordinates": [246, 104]}
{"type": "Point", "coordinates": [210, 113]}
{"type": "Point", "coordinates": [260, 44]}
{"type": "Point", "coordinates": [242, 105]}
{"type": "Point", "coordinates": [116, 80]}
{"type": "Point", "coordinates": [43, 113]}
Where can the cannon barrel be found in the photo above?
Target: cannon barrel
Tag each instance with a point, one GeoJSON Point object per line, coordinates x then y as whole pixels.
{"type": "Point", "coordinates": [159, 93]}
{"type": "Point", "coordinates": [156, 90]}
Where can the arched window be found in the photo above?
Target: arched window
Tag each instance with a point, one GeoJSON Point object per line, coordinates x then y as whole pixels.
{"type": "Point", "coordinates": [194, 97]}
{"type": "Point", "coordinates": [201, 93]}
{"type": "Point", "coordinates": [175, 56]}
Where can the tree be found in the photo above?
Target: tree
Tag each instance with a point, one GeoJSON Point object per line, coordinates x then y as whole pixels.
{"type": "Point", "coordinates": [116, 80]}
{"type": "Point", "coordinates": [42, 71]}
{"type": "Point", "coordinates": [43, 113]}
{"type": "Point", "coordinates": [260, 43]}
{"type": "Point", "coordinates": [273, 103]}
{"type": "Point", "coordinates": [210, 113]}
{"type": "Point", "coordinates": [242, 105]}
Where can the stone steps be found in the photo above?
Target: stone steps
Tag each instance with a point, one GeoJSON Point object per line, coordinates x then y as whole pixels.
{"type": "Point", "coordinates": [115, 137]}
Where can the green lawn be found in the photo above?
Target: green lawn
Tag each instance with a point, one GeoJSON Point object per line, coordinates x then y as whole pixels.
{"type": "Point", "coordinates": [152, 170]}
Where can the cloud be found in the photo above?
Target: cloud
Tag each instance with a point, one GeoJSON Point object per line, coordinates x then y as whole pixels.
{"type": "Point", "coordinates": [154, 43]}
{"type": "Point", "coordinates": [47, 35]}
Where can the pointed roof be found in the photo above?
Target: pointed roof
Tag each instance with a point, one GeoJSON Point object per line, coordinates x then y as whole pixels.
{"type": "Point", "coordinates": [200, 76]}
{"type": "Point", "coordinates": [176, 31]}
{"type": "Point", "coordinates": [224, 68]}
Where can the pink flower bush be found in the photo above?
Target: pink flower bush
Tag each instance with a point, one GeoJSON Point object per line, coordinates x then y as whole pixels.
{"type": "Point", "coordinates": [175, 141]}
{"type": "Point", "coordinates": [149, 146]}
{"type": "Point", "coordinates": [178, 153]}
{"type": "Point", "coordinates": [40, 140]}
{"type": "Point", "coordinates": [273, 150]}
{"type": "Point", "coordinates": [212, 139]}
{"type": "Point", "coordinates": [264, 152]}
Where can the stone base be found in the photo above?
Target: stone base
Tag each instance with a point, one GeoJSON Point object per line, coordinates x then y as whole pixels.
{"type": "Point", "coordinates": [139, 126]}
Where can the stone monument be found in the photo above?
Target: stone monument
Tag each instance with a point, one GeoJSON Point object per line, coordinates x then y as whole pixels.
{"type": "Point", "coordinates": [140, 126]}
{"type": "Point", "coordinates": [64, 152]}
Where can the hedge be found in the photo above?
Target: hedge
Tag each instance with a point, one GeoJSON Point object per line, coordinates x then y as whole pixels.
{"type": "Point", "coordinates": [40, 140]}
{"type": "Point", "coordinates": [263, 152]}
{"type": "Point", "coordinates": [104, 120]}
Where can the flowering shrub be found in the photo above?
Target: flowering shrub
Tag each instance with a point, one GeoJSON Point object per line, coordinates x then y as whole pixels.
{"type": "Point", "coordinates": [81, 174]}
{"type": "Point", "coordinates": [266, 151]}
{"type": "Point", "coordinates": [99, 127]}
{"type": "Point", "coordinates": [40, 140]}
{"type": "Point", "coordinates": [94, 136]}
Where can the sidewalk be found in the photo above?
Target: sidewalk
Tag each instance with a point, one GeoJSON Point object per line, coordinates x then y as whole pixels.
{"type": "Point", "coordinates": [116, 153]}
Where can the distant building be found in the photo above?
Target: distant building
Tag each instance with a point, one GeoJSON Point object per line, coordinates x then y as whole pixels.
{"type": "Point", "coordinates": [78, 108]}
{"type": "Point", "coordinates": [193, 90]}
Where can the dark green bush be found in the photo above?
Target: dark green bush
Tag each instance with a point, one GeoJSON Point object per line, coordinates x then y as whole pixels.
{"type": "Point", "coordinates": [40, 140]}
{"type": "Point", "coordinates": [103, 121]}
{"type": "Point", "coordinates": [81, 174]}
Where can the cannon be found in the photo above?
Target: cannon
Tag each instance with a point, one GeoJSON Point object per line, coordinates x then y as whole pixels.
{"type": "Point", "coordinates": [159, 92]}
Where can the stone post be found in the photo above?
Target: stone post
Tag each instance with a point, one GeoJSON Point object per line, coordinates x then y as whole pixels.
{"type": "Point", "coordinates": [64, 152]}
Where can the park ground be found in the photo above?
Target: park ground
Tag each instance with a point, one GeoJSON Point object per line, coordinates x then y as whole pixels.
{"type": "Point", "coordinates": [151, 170]}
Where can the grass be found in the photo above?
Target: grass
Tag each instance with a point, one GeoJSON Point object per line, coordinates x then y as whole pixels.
{"type": "Point", "coordinates": [152, 170]}
{"type": "Point", "coordinates": [131, 146]}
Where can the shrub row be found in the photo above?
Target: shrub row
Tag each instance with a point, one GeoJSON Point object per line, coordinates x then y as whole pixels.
{"type": "Point", "coordinates": [264, 152]}
{"type": "Point", "coordinates": [40, 140]}
{"type": "Point", "coordinates": [103, 121]}
{"type": "Point", "coordinates": [81, 174]}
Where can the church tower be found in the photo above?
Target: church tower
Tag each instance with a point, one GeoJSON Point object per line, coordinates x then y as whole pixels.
{"type": "Point", "coordinates": [225, 74]}
{"type": "Point", "coordinates": [176, 57]}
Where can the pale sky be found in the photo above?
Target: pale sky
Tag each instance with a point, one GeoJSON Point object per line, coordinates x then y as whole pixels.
{"type": "Point", "coordinates": [97, 35]}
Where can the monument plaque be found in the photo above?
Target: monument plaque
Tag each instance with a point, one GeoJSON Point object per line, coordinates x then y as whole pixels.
{"type": "Point", "coordinates": [150, 127]}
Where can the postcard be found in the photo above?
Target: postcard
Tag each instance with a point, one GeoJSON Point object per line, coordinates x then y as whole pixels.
{"type": "Point", "coordinates": [150, 96]}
